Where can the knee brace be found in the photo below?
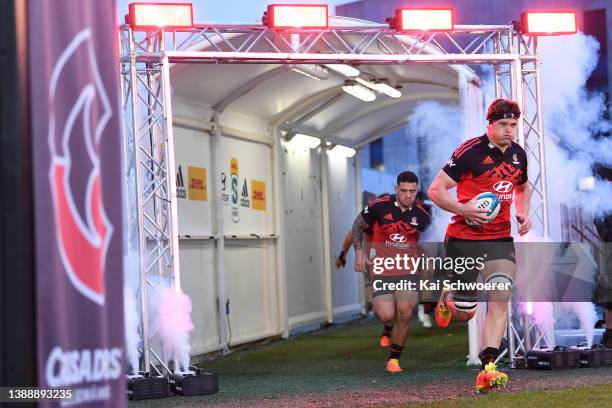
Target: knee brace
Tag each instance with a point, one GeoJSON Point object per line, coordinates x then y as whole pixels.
{"type": "Point", "coordinates": [465, 301]}
{"type": "Point", "coordinates": [463, 306]}
{"type": "Point", "coordinates": [501, 278]}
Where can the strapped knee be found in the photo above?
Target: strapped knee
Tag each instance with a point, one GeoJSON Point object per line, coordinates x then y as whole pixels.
{"type": "Point", "coordinates": [501, 279]}
{"type": "Point", "coordinates": [463, 306]}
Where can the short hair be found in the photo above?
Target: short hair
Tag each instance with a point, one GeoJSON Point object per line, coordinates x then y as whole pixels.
{"type": "Point", "coordinates": [503, 109]}
{"type": "Point", "coordinates": [407, 177]}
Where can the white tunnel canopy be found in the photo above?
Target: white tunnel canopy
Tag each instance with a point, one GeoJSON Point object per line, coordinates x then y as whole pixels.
{"type": "Point", "coordinates": [260, 95]}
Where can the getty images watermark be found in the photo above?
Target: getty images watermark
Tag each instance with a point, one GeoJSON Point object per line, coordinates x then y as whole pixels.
{"type": "Point", "coordinates": [398, 272]}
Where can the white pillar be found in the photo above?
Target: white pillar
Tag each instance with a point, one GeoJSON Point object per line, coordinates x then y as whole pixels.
{"type": "Point", "coordinates": [279, 230]}
{"type": "Point", "coordinates": [327, 278]}
{"type": "Point", "coordinates": [217, 214]}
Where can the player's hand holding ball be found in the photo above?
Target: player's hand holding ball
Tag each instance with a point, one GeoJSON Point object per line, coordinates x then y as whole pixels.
{"type": "Point", "coordinates": [481, 209]}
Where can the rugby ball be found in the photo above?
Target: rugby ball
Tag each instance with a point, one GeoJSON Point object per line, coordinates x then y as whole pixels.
{"type": "Point", "coordinates": [488, 201]}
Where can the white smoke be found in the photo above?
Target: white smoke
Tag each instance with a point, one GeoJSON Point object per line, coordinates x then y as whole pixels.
{"type": "Point", "coordinates": [132, 324]}
{"type": "Point", "coordinates": [170, 318]}
{"type": "Point", "coordinates": [572, 118]}
{"type": "Point", "coordinates": [175, 324]}
{"type": "Point", "coordinates": [131, 315]}
{"type": "Point", "coordinates": [435, 126]}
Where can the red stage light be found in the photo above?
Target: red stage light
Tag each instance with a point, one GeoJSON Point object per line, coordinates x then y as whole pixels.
{"type": "Point", "coordinates": [411, 19]}
{"type": "Point", "coordinates": [287, 16]}
{"type": "Point", "coordinates": [549, 23]}
{"type": "Point", "coordinates": [156, 15]}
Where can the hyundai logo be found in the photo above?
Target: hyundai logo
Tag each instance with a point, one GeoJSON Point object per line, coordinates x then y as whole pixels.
{"type": "Point", "coordinates": [503, 186]}
{"type": "Point", "coordinates": [398, 238]}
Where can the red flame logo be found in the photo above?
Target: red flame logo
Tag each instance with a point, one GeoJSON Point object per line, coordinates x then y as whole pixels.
{"type": "Point", "coordinates": [82, 237]}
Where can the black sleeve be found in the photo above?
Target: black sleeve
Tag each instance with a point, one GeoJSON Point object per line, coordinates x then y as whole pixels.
{"type": "Point", "coordinates": [524, 176]}
{"type": "Point", "coordinates": [457, 166]}
{"type": "Point", "coordinates": [370, 211]}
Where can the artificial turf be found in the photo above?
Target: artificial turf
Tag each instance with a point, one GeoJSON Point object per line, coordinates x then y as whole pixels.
{"type": "Point", "coordinates": [582, 397]}
{"type": "Point", "coordinates": [312, 369]}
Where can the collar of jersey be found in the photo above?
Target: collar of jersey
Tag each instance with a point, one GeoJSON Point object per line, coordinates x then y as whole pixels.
{"type": "Point", "coordinates": [397, 205]}
{"type": "Point", "coordinates": [492, 146]}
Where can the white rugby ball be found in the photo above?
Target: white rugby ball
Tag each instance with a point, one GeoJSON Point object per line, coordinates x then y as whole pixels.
{"type": "Point", "coordinates": [488, 201]}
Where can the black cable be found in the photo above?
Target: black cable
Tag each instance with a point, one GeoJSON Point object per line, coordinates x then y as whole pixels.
{"type": "Point", "coordinates": [229, 326]}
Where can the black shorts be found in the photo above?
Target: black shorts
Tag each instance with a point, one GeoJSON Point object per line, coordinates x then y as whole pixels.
{"type": "Point", "coordinates": [459, 250]}
{"type": "Point", "coordinates": [490, 250]}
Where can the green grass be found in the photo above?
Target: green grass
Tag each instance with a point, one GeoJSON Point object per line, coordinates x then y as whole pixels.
{"type": "Point", "coordinates": [578, 397]}
{"type": "Point", "coordinates": [344, 359]}
{"type": "Point", "coordinates": [346, 362]}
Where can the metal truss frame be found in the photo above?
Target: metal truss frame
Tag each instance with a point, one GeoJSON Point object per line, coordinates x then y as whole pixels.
{"type": "Point", "coordinates": [147, 112]}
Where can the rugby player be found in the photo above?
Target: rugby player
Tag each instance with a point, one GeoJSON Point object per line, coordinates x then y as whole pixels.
{"type": "Point", "coordinates": [341, 263]}
{"type": "Point", "coordinates": [492, 162]}
{"type": "Point", "coordinates": [395, 220]}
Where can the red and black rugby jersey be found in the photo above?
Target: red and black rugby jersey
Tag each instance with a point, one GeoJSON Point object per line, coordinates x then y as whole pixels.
{"type": "Point", "coordinates": [479, 166]}
{"type": "Point", "coordinates": [393, 231]}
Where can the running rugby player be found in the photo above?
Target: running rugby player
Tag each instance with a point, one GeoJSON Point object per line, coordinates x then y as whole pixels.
{"type": "Point", "coordinates": [395, 220]}
{"type": "Point", "coordinates": [385, 337]}
{"type": "Point", "coordinates": [492, 162]}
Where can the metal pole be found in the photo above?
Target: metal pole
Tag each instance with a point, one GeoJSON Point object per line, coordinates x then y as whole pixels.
{"type": "Point", "coordinates": [217, 212]}
{"type": "Point", "coordinates": [279, 228]}
{"type": "Point", "coordinates": [526, 332]}
{"type": "Point", "coordinates": [474, 323]}
{"type": "Point", "coordinates": [170, 167]}
{"type": "Point", "coordinates": [473, 332]}
{"type": "Point", "coordinates": [540, 124]}
{"type": "Point", "coordinates": [510, 337]}
{"type": "Point", "coordinates": [517, 92]}
{"type": "Point", "coordinates": [139, 197]}
{"type": "Point", "coordinates": [496, 67]}
{"type": "Point", "coordinates": [327, 278]}
{"type": "Point", "coordinates": [359, 206]}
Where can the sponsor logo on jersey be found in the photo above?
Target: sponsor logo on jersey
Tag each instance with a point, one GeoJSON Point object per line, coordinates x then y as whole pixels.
{"type": "Point", "coordinates": [503, 186]}
{"type": "Point", "coordinates": [504, 189]}
{"type": "Point", "coordinates": [397, 238]}
{"type": "Point", "coordinates": [487, 160]}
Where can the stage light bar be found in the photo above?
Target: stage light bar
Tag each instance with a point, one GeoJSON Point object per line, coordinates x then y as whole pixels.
{"type": "Point", "coordinates": [153, 16]}
{"type": "Point", "coordinates": [343, 151]}
{"type": "Point", "coordinates": [550, 23]}
{"type": "Point", "coordinates": [411, 19]}
{"type": "Point", "coordinates": [311, 70]}
{"type": "Point", "coordinates": [359, 91]}
{"type": "Point", "coordinates": [304, 141]}
{"type": "Point", "coordinates": [344, 69]}
{"type": "Point", "coordinates": [387, 89]}
{"type": "Point", "coordinates": [287, 16]}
